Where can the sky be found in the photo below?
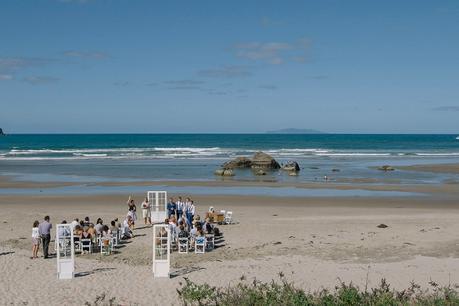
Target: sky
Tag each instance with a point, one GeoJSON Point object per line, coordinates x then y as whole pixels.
{"type": "Point", "coordinates": [94, 66]}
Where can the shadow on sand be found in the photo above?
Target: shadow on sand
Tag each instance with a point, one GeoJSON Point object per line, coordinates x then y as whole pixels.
{"type": "Point", "coordinates": [86, 273]}
{"type": "Point", "coordinates": [184, 271]}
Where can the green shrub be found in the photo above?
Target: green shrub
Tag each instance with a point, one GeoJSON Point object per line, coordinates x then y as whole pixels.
{"type": "Point", "coordinates": [285, 293]}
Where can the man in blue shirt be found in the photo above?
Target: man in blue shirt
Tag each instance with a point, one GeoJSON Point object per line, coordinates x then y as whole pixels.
{"type": "Point", "coordinates": [171, 208]}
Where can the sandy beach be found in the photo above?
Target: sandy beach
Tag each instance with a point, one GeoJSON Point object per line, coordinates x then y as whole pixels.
{"type": "Point", "coordinates": [315, 242]}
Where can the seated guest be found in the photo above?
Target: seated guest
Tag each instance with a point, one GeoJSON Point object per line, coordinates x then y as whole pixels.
{"type": "Point", "coordinates": [118, 223]}
{"type": "Point", "coordinates": [126, 228]}
{"type": "Point", "coordinates": [78, 230]}
{"type": "Point", "coordinates": [200, 232]}
{"type": "Point", "coordinates": [85, 235]}
{"type": "Point", "coordinates": [86, 221]}
{"type": "Point", "coordinates": [208, 227]}
{"type": "Point", "coordinates": [197, 220]}
{"type": "Point", "coordinates": [182, 233]}
{"type": "Point", "coordinates": [75, 222]}
{"type": "Point", "coordinates": [194, 230]}
{"type": "Point", "coordinates": [173, 227]}
{"type": "Point", "coordinates": [92, 231]}
{"type": "Point", "coordinates": [106, 233]}
{"type": "Point", "coordinates": [63, 231]}
{"type": "Point", "coordinates": [113, 227]}
{"type": "Point", "coordinates": [99, 226]}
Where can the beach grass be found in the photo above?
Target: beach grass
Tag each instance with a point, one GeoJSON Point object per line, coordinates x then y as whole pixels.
{"type": "Point", "coordinates": [286, 293]}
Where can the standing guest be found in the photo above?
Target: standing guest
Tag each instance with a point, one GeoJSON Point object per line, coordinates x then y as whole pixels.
{"type": "Point", "coordinates": [132, 211]}
{"type": "Point", "coordinates": [146, 211]}
{"type": "Point", "coordinates": [192, 210]}
{"type": "Point", "coordinates": [188, 210]}
{"type": "Point", "coordinates": [179, 207]}
{"type": "Point", "coordinates": [171, 208]}
{"type": "Point", "coordinates": [44, 229]}
{"type": "Point", "coordinates": [35, 240]}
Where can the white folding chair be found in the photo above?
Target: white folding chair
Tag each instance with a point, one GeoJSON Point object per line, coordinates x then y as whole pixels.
{"type": "Point", "coordinates": [200, 245]}
{"type": "Point", "coordinates": [77, 244]}
{"type": "Point", "coordinates": [105, 246]}
{"type": "Point", "coordinates": [115, 239]}
{"type": "Point", "coordinates": [229, 217]}
{"type": "Point", "coordinates": [86, 244]}
{"type": "Point", "coordinates": [210, 241]}
{"type": "Point", "coordinates": [183, 245]}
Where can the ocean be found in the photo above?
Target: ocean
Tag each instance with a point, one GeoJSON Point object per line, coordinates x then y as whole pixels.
{"type": "Point", "coordinates": [161, 157]}
{"type": "Point", "coordinates": [186, 146]}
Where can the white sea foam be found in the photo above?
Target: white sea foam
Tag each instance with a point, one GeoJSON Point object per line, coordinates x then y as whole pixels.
{"type": "Point", "coordinates": [198, 153]}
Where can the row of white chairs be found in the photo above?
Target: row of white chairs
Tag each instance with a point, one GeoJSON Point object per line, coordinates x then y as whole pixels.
{"type": "Point", "coordinates": [199, 244]}
{"type": "Point", "coordinates": [106, 246]}
{"type": "Point", "coordinates": [228, 215]}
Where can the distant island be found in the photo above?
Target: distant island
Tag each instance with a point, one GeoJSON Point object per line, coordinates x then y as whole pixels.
{"type": "Point", "coordinates": [295, 131]}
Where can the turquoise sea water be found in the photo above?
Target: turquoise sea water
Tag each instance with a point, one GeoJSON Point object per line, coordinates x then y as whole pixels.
{"type": "Point", "coordinates": [162, 157]}
{"type": "Point", "coordinates": [181, 146]}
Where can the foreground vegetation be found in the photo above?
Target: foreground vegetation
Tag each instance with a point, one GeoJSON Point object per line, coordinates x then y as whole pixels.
{"type": "Point", "coordinates": [285, 293]}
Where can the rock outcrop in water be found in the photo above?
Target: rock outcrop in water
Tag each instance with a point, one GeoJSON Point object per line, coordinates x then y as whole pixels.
{"type": "Point", "coordinates": [238, 162]}
{"type": "Point", "coordinates": [1, 132]}
{"type": "Point", "coordinates": [262, 160]}
{"type": "Point", "coordinates": [386, 168]}
{"type": "Point", "coordinates": [291, 166]}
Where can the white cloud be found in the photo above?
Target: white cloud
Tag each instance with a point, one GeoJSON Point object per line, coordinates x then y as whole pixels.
{"type": "Point", "coordinates": [40, 80]}
{"type": "Point", "coordinates": [226, 72]}
{"type": "Point", "coordinates": [86, 54]}
{"type": "Point", "coordinates": [274, 53]}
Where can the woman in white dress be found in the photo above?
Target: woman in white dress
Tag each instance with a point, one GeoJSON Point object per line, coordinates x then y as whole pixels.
{"type": "Point", "coordinates": [35, 240]}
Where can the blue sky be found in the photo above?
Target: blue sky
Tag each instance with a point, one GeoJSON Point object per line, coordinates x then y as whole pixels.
{"type": "Point", "coordinates": [229, 66]}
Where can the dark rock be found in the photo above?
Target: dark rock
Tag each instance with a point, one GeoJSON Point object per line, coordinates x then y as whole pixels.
{"type": "Point", "coordinates": [262, 160]}
{"type": "Point", "coordinates": [382, 225]}
{"type": "Point", "coordinates": [335, 170]}
{"type": "Point", "coordinates": [277, 242]}
{"type": "Point", "coordinates": [238, 162]}
{"type": "Point", "coordinates": [1, 132]}
{"type": "Point", "coordinates": [386, 168]}
{"type": "Point", "coordinates": [291, 166]}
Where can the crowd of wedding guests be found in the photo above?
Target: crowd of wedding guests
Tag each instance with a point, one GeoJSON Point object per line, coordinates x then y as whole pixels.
{"type": "Point", "coordinates": [181, 218]}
